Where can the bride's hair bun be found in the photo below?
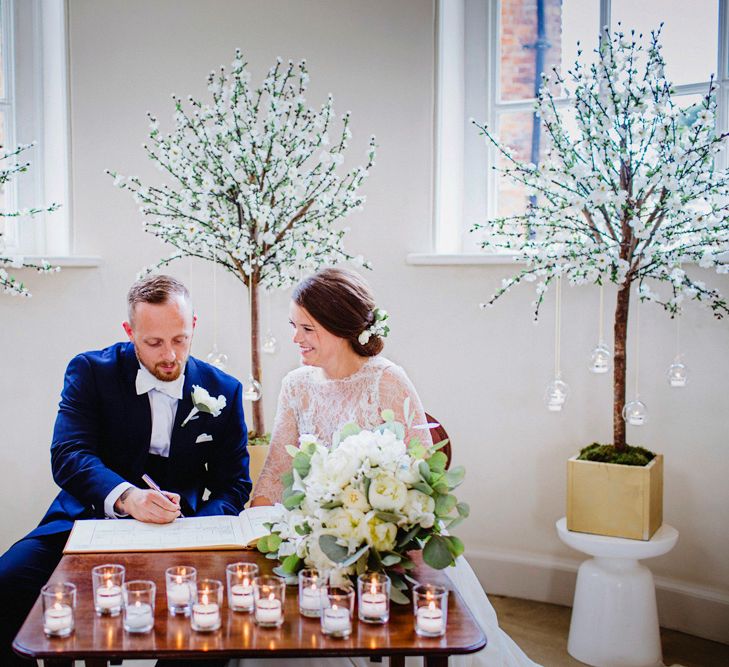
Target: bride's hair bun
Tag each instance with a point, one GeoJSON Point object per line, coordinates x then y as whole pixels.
{"type": "Point", "coordinates": [342, 302]}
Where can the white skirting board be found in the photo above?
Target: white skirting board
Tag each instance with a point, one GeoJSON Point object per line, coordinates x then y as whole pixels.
{"type": "Point", "coordinates": [688, 608]}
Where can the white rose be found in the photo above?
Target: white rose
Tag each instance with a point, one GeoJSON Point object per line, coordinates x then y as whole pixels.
{"type": "Point", "coordinates": [378, 533]}
{"type": "Point", "coordinates": [387, 493]}
{"type": "Point", "coordinates": [354, 499]}
{"type": "Point", "coordinates": [340, 468]}
{"type": "Point", "coordinates": [344, 523]}
{"type": "Point", "coordinates": [204, 402]}
{"type": "Point", "coordinates": [419, 508]}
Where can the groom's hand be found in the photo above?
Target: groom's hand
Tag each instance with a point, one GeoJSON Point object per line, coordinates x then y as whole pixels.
{"type": "Point", "coordinates": [150, 506]}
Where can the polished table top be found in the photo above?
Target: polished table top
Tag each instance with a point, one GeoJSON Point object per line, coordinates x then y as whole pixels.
{"type": "Point", "coordinates": [239, 636]}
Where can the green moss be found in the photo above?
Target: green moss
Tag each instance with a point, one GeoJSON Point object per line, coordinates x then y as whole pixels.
{"type": "Point", "coordinates": [255, 439]}
{"type": "Point", "coordinates": [631, 456]}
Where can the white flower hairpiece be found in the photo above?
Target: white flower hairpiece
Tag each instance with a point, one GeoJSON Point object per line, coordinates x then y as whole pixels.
{"type": "Point", "coordinates": [377, 328]}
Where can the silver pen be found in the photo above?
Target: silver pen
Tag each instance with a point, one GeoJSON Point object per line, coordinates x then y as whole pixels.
{"type": "Point", "coordinates": [153, 485]}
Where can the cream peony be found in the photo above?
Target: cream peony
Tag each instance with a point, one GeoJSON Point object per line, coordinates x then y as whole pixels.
{"type": "Point", "coordinates": [387, 493]}
{"type": "Point", "coordinates": [419, 508]}
{"type": "Point", "coordinates": [378, 533]}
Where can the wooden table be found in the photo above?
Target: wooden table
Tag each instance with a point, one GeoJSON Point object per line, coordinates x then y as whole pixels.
{"type": "Point", "coordinates": [97, 640]}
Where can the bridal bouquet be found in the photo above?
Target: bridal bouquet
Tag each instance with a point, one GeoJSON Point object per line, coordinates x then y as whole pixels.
{"type": "Point", "coordinates": [364, 503]}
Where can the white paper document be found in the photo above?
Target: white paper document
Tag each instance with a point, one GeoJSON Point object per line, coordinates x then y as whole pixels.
{"type": "Point", "coordinates": [195, 533]}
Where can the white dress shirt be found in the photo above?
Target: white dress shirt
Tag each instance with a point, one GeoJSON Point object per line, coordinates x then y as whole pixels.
{"type": "Point", "coordinates": [163, 400]}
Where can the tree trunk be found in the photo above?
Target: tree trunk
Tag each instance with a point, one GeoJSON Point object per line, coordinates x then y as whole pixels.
{"type": "Point", "coordinates": [259, 427]}
{"type": "Point", "coordinates": [621, 335]}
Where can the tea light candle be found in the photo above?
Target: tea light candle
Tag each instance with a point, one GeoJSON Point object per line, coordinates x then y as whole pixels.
{"type": "Point", "coordinates": [430, 619]}
{"type": "Point", "coordinates": [242, 595]}
{"type": "Point", "coordinates": [268, 610]}
{"type": "Point", "coordinates": [310, 599]}
{"type": "Point", "coordinates": [138, 616]}
{"type": "Point", "coordinates": [178, 594]}
{"type": "Point", "coordinates": [108, 596]}
{"type": "Point", "coordinates": [58, 619]}
{"type": "Point", "coordinates": [373, 604]}
{"type": "Point", "coordinates": [205, 615]}
{"type": "Point", "coordinates": [336, 620]}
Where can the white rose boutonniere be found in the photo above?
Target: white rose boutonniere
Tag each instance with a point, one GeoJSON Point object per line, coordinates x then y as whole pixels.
{"type": "Point", "coordinates": [202, 401]}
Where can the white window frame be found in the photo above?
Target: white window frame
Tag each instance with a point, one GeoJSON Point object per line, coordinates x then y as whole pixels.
{"type": "Point", "coordinates": [36, 78]}
{"type": "Point", "coordinates": [467, 45]}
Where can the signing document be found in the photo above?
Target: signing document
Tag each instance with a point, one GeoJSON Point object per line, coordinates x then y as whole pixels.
{"type": "Point", "coordinates": [192, 534]}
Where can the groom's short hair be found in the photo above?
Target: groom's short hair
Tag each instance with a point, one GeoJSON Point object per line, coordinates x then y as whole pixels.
{"type": "Point", "coordinates": [154, 289]}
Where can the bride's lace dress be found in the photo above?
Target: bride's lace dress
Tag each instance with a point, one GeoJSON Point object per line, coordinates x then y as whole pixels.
{"type": "Point", "coordinates": [310, 403]}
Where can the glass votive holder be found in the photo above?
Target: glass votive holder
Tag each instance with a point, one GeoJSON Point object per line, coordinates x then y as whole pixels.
{"type": "Point", "coordinates": [337, 611]}
{"type": "Point", "coordinates": [311, 584]}
{"type": "Point", "coordinates": [138, 614]}
{"type": "Point", "coordinates": [430, 609]}
{"type": "Point", "coordinates": [180, 584]}
{"type": "Point", "coordinates": [107, 583]}
{"type": "Point", "coordinates": [240, 578]}
{"type": "Point", "coordinates": [207, 605]}
{"type": "Point", "coordinates": [269, 595]}
{"type": "Point", "coordinates": [373, 593]}
{"type": "Point", "coordinates": [59, 602]}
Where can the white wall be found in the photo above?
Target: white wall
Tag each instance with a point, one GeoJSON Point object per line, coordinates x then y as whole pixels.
{"type": "Point", "coordinates": [481, 373]}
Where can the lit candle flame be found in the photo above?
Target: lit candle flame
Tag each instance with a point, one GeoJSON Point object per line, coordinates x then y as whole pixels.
{"type": "Point", "coordinates": [246, 582]}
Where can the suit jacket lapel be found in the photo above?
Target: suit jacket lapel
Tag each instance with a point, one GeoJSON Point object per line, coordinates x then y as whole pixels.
{"type": "Point", "coordinates": [180, 436]}
{"type": "Point", "coordinates": [137, 412]}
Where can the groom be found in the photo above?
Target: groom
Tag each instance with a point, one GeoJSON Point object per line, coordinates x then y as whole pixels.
{"type": "Point", "coordinates": [122, 414]}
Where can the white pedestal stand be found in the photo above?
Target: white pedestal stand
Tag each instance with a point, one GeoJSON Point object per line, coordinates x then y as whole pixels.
{"type": "Point", "coordinates": [614, 616]}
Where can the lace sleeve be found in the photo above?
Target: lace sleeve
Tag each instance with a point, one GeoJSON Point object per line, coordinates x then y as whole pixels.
{"type": "Point", "coordinates": [285, 432]}
{"type": "Point", "coordinates": [395, 387]}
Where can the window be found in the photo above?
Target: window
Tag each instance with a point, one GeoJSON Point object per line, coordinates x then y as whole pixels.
{"type": "Point", "coordinates": [489, 56]}
{"type": "Point", "coordinates": [33, 108]}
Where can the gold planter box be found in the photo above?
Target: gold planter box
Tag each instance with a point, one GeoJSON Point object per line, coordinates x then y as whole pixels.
{"type": "Point", "coordinates": [615, 500]}
{"type": "Point", "coordinates": [258, 454]}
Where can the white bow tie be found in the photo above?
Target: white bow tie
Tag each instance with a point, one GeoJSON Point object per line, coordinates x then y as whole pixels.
{"type": "Point", "coordinates": [146, 382]}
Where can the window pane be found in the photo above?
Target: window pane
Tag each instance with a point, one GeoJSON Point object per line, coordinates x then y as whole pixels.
{"type": "Point", "coordinates": [690, 35]}
{"type": "Point", "coordinates": [565, 22]}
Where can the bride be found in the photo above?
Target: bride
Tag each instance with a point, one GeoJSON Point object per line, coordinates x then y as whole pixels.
{"type": "Point", "coordinates": [343, 379]}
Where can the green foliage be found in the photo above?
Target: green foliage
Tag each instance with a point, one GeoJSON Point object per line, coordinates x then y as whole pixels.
{"type": "Point", "coordinates": [437, 552]}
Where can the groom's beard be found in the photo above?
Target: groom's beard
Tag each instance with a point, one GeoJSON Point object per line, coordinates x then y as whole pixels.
{"type": "Point", "coordinates": [161, 373]}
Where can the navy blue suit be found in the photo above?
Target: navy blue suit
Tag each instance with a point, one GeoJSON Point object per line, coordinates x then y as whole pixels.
{"type": "Point", "coordinates": [101, 438]}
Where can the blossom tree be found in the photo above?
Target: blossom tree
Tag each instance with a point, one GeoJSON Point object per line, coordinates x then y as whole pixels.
{"type": "Point", "coordinates": [256, 184]}
{"type": "Point", "coordinates": [631, 195]}
{"type": "Point", "coordinates": [9, 284]}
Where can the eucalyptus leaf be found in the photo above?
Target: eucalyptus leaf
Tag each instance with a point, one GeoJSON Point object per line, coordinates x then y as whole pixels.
{"type": "Point", "coordinates": [463, 509]}
{"type": "Point", "coordinates": [441, 487]}
{"type": "Point", "coordinates": [292, 450]}
{"type": "Point", "coordinates": [302, 464]}
{"type": "Point", "coordinates": [274, 542]}
{"type": "Point", "coordinates": [262, 544]}
{"type": "Point", "coordinates": [333, 551]}
{"type": "Point", "coordinates": [290, 564]}
{"type": "Point", "coordinates": [438, 462]}
{"type": "Point", "coordinates": [417, 449]}
{"type": "Point", "coordinates": [293, 500]}
{"type": "Point", "coordinates": [388, 516]}
{"type": "Point", "coordinates": [391, 559]}
{"type": "Point", "coordinates": [355, 556]}
{"type": "Point", "coordinates": [398, 581]}
{"type": "Point", "coordinates": [408, 536]}
{"type": "Point", "coordinates": [398, 597]}
{"type": "Point", "coordinates": [331, 505]}
{"type": "Point", "coordinates": [441, 444]}
{"type": "Point", "coordinates": [407, 565]}
{"type": "Point", "coordinates": [457, 521]}
{"type": "Point", "coordinates": [456, 546]}
{"type": "Point", "coordinates": [445, 504]}
{"type": "Point", "coordinates": [424, 470]}
{"type": "Point", "coordinates": [388, 415]}
{"type": "Point", "coordinates": [425, 488]}
{"type": "Point", "coordinates": [287, 479]}
{"type": "Point", "coordinates": [348, 429]}
{"type": "Point", "coordinates": [455, 476]}
{"type": "Point", "coordinates": [437, 553]}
